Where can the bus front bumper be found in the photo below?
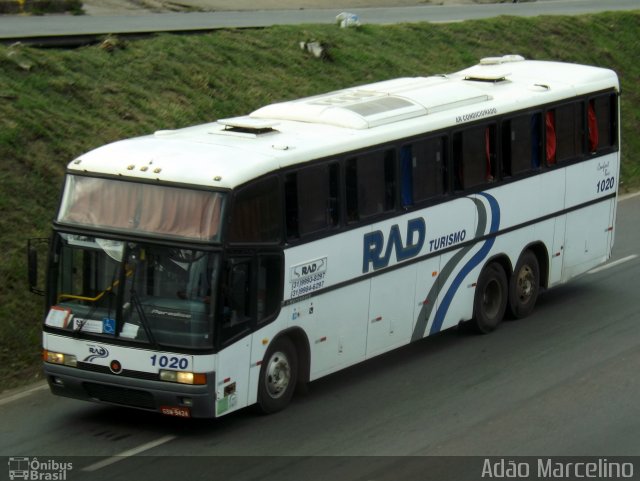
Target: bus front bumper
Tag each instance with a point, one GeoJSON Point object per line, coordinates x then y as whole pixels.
{"type": "Point", "coordinates": [168, 398]}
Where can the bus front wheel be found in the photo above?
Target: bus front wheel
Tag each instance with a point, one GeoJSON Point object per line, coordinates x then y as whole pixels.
{"type": "Point", "coordinates": [524, 285]}
{"type": "Point", "coordinates": [278, 376]}
{"type": "Point", "coordinates": [491, 298]}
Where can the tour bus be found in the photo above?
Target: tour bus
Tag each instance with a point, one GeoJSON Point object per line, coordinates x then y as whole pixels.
{"type": "Point", "coordinates": [197, 271]}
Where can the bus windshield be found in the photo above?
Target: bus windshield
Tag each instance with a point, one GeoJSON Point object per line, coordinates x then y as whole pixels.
{"type": "Point", "coordinates": [134, 291]}
{"type": "Point", "coordinates": [142, 208]}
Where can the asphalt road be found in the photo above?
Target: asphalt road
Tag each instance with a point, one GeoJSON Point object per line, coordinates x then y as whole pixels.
{"type": "Point", "coordinates": [563, 382]}
{"type": "Point", "coordinates": [15, 27]}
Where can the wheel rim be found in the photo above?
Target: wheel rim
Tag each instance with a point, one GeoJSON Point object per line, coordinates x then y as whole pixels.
{"type": "Point", "coordinates": [491, 299]}
{"type": "Point", "coordinates": [525, 284]}
{"type": "Point", "coordinates": [277, 374]}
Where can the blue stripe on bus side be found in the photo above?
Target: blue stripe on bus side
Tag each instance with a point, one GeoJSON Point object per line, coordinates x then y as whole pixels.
{"type": "Point", "coordinates": [469, 266]}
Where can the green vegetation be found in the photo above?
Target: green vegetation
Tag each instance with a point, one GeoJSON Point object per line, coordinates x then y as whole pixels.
{"type": "Point", "coordinates": [57, 104]}
{"type": "Point", "coordinates": [40, 7]}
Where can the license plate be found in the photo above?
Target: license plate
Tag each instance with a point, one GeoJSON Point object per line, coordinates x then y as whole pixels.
{"type": "Point", "coordinates": [178, 411]}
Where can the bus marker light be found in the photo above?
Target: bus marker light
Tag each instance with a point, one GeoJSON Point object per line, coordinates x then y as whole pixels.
{"type": "Point", "coordinates": [115, 366]}
{"type": "Point", "coordinates": [434, 273]}
{"type": "Point", "coordinates": [265, 341]}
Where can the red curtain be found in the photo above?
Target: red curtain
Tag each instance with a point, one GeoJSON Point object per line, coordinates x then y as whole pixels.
{"type": "Point", "coordinates": [593, 126]}
{"type": "Point", "coordinates": [551, 137]}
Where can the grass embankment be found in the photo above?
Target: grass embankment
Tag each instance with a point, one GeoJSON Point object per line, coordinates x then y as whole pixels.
{"type": "Point", "coordinates": [40, 7]}
{"type": "Point", "coordinates": [57, 104]}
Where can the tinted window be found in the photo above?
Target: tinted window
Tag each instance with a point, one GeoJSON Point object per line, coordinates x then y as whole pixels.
{"type": "Point", "coordinates": [423, 173]}
{"type": "Point", "coordinates": [269, 285]}
{"type": "Point", "coordinates": [370, 184]}
{"type": "Point", "coordinates": [601, 122]}
{"type": "Point", "coordinates": [311, 199]}
{"type": "Point", "coordinates": [474, 156]}
{"type": "Point", "coordinates": [568, 131]}
{"type": "Point", "coordinates": [256, 215]}
{"type": "Point", "coordinates": [521, 138]}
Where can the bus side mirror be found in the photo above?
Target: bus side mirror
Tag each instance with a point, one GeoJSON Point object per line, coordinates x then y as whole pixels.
{"type": "Point", "coordinates": [37, 250]}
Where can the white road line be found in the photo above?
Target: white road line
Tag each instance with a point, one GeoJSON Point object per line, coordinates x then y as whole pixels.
{"type": "Point", "coordinates": [128, 453]}
{"type": "Point", "coordinates": [14, 397]}
{"type": "Point", "coordinates": [613, 264]}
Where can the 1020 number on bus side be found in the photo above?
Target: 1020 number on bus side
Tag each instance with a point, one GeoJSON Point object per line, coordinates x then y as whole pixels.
{"type": "Point", "coordinates": [605, 184]}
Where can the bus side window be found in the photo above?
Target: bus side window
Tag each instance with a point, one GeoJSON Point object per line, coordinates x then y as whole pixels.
{"type": "Point", "coordinates": [474, 152]}
{"type": "Point", "coordinates": [269, 287]}
{"type": "Point", "coordinates": [569, 131]}
{"type": "Point", "coordinates": [423, 173]}
{"type": "Point", "coordinates": [311, 198]}
{"type": "Point", "coordinates": [251, 293]}
{"type": "Point", "coordinates": [521, 144]}
{"type": "Point", "coordinates": [602, 122]}
{"type": "Point", "coordinates": [370, 184]}
{"type": "Point", "coordinates": [236, 298]}
{"type": "Point", "coordinates": [257, 212]}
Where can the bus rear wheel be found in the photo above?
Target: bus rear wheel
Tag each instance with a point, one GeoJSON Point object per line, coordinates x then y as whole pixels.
{"type": "Point", "coordinates": [490, 301]}
{"type": "Point", "coordinates": [278, 376]}
{"type": "Point", "coordinates": [524, 285]}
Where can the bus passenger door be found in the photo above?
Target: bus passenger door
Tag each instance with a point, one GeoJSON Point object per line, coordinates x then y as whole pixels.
{"type": "Point", "coordinates": [237, 319]}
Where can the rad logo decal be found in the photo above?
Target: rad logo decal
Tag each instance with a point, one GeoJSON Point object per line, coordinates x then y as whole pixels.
{"type": "Point", "coordinates": [378, 251]}
{"type": "Point", "coordinates": [96, 352]}
{"type": "Point", "coordinates": [310, 268]}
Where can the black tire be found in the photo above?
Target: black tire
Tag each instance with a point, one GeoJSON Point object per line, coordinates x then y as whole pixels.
{"type": "Point", "coordinates": [524, 285]}
{"type": "Point", "coordinates": [278, 376]}
{"type": "Point", "coordinates": [491, 297]}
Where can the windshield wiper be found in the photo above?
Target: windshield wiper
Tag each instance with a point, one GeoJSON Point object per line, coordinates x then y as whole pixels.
{"type": "Point", "coordinates": [143, 317]}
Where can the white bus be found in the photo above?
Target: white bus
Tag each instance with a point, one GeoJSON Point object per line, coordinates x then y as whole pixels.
{"type": "Point", "coordinates": [194, 272]}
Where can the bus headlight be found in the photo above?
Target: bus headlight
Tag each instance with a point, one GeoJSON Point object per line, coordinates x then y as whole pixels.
{"type": "Point", "coordinates": [183, 377]}
{"type": "Point", "coordinates": [59, 358]}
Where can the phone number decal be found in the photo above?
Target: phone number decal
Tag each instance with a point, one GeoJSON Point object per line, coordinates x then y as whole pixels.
{"type": "Point", "coordinates": [308, 284]}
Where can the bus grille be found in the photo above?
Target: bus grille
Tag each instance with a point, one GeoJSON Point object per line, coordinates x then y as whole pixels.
{"type": "Point", "coordinates": [120, 395]}
{"type": "Point", "coordinates": [150, 376]}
